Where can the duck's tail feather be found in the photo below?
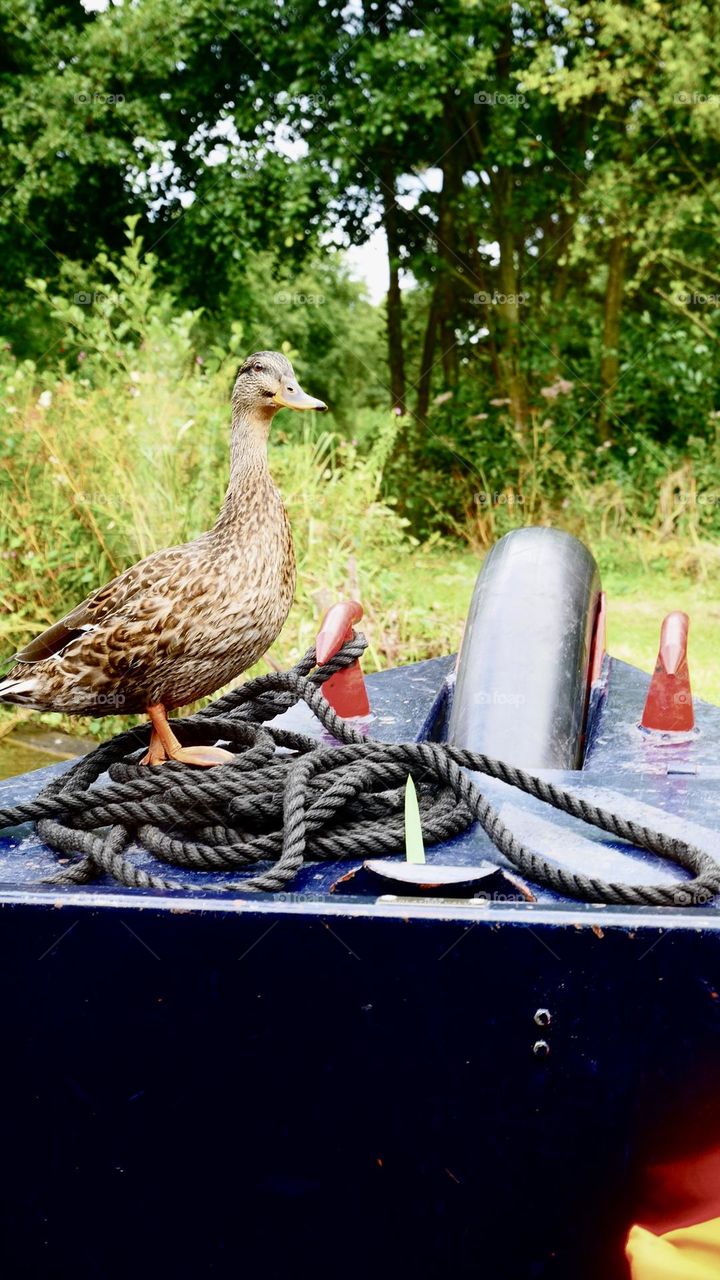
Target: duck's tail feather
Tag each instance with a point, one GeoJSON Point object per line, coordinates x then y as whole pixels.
{"type": "Point", "coordinates": [17, 689]}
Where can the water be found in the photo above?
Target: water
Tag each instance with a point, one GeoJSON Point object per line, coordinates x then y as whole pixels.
{"type": "Point", "coordinates": [18, 757]}
{"type": "Point", "coordinates": [37, 747]}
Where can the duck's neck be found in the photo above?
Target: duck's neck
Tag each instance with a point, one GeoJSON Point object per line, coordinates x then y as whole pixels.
{"type": "Point", "coordinates": [249, 472]}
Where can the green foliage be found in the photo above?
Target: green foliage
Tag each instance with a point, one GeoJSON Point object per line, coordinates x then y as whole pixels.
{"type": "Point", "coordinates": [505, 150]}
{"type": "Point", "coordinates": [122, 447]}
{"type": "Point", "coordinates": [179, 181]}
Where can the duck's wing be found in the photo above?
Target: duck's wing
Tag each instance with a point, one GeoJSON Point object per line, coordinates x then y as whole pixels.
{"type": "Point", "coordinates": [132, 595]}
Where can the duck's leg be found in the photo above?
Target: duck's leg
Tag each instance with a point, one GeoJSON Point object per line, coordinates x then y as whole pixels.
{"type": "Point", "coordinates": [165, 746]}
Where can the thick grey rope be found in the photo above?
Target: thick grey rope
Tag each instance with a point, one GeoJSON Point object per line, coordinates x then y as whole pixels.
{"type": "Point", "coordinates": [308, 801]}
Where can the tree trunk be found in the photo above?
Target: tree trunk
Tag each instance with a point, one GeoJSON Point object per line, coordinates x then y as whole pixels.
{"type": "Point", "coordinates": [610, 358]}
{"type": "Point", "coordinates": [426, 361]}
{"type": "Point", "coordinates": [396, 353]}
{"type": "Point", "coordinates": [440, 324]}
{"type": "Point", "coordinates": [507, 307]}
{"type": "Point", "coordinates": [507, 310]}
{"type": "Point", "coordinates": [561, 250]}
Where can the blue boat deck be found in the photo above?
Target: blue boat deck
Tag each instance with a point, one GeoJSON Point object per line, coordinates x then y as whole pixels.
{"type": "Point", "coordinates": [673, 787]}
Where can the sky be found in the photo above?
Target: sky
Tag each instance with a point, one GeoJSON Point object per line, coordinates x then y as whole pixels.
{"type": "Point", "coordinates": [368, 262]}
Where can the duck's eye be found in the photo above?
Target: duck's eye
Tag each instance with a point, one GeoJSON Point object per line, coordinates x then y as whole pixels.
{"type": "Point", "coordinates": [259, 368]}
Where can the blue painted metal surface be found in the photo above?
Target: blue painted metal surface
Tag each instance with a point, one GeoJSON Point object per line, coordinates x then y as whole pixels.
{"type": "Point", "coordinates": [347, 1081]}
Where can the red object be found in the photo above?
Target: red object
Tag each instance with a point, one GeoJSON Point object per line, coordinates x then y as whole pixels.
{"type": "Point", "coordinates": [346, 690]}
{"type": "Point", "coordinates": [669, 705]}
{"type": "Point", "coordinates": [599, 640]}
{"type": "Point", "coordinates": [681, 1191]}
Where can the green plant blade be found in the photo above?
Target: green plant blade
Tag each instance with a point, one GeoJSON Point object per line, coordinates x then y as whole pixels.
{"type": "Point", "coordinates": [414, 846]}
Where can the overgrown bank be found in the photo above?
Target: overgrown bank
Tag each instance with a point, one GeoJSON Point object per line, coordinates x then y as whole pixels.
{"type": "Point", "coordinates": [118, 444]}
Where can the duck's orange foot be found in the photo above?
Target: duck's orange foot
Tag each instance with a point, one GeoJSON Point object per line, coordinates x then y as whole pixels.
{"type": "Point", "coordinates": [164, 745]}
{"type": "Point", "coordinates": [204, 757]}
{"type": "Point", "coordinates": [156, 753]}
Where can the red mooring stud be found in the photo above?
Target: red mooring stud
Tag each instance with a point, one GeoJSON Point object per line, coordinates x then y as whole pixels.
{"type": "Point", "coordinates": [346, 690]}
{"type": "Point", "coordinates": [599, 640]}
{"type": "Point", "coordinates": [669, 704]}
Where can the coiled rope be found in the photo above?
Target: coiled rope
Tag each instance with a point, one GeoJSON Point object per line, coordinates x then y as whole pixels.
{"type": "Point", "coordinates": [272, 810]}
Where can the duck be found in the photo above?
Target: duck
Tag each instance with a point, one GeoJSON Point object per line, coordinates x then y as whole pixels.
{"type": "Point", "coordinates": [186, 620]}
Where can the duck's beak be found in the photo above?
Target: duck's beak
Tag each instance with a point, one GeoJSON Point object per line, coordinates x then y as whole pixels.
{"type": "Point", "coordinates": [290, 395]}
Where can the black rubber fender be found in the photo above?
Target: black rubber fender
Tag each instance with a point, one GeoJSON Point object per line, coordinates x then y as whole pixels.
{"type": "Point", "coordinates": [524, 668]}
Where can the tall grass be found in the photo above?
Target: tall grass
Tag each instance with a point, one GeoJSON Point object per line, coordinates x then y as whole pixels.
{"type": "Point", "coordinates": [632, 504]}
{"type": "Point", "coordinates": [123, 448]}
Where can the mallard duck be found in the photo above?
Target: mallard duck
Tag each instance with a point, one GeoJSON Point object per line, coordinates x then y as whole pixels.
{"type": "Point", "coordinates": [183, 622]}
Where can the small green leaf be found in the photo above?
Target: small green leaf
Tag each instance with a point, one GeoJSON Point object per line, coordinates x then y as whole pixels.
{"type": "Point", "coordinates": [414, 846]}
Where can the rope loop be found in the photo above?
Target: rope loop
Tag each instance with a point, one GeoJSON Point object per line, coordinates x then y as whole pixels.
{"type": "Point", "coordinates": [287, 798]}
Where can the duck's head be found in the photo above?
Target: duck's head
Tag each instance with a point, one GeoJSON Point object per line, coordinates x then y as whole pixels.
{"type": "Point", "coordinates": [266, 382]}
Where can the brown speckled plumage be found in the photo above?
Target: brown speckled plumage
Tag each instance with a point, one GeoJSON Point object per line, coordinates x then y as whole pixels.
{"type": "Point", "coordinates": [187, 620]}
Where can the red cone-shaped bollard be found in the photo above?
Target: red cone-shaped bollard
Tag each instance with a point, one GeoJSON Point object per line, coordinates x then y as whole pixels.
{"type": "Point", "coordinates": [346, 690]}
{"type": "Point", "coordinates": [599, 640]}
{"type": "Point", "coordinates": [669, 705]}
